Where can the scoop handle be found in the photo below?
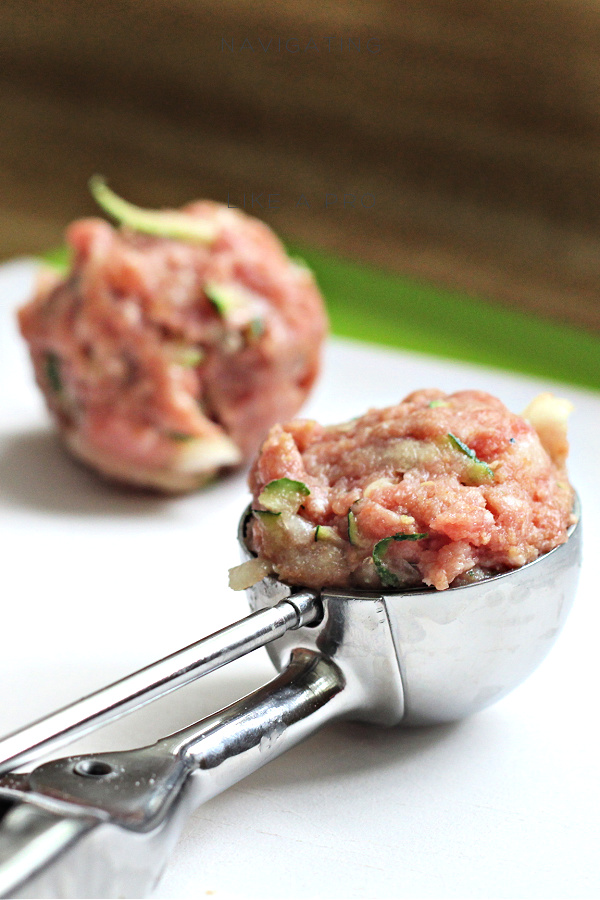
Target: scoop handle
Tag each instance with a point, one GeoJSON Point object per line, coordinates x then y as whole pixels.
{"type": "Point", "coordinates": [135, 788]}
{"type": "Point", "coordinates": [231, 744]}
{"type": "Point", "coordinates": [147, 793]}
{"type": "Point", "coordinates": [156, 680]}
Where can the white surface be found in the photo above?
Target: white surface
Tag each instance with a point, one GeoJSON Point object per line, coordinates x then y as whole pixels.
{"type": "Point", "coordinates": [96, 582]}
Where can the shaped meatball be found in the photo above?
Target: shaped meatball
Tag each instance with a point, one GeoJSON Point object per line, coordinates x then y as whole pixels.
{"type": "Point", "coordinates": [439, 490]}
{"type": "Point", "coordinates": [173, 343]}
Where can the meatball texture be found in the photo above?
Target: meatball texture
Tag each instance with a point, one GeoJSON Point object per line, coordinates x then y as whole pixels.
{"type": "Point", "coordinates": [438, 490]}
{"type": "Point", "coordinates": [164, 361]}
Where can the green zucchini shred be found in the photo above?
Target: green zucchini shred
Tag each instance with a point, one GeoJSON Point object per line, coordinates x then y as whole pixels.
{"type": "Point", "coordinates": [325, 533]}
{"type": "Point", "coordinates": [180, 436]}
{"type": "Point", "coordinates": [352, 529]}
{"type": "Point", "coordinates": [387, 578]}
{"type": "Point", "coordinates": [265, 515]}
{"type": "Point", "coordinates": [468, 451]}
{"type": "Point", "coordinates": [162, 223]}
{"type": "Point", "coordinates": [480, 471]}
{"type": "Point", "coordinates": [52, 368]}
{"type": "Point", "coordinates": [283, 495]}
{"type": "Point", "coordinates": [190, 357]}
{"type": "Point", "coordinates": [224, 299]}
{"type": "Point", "coordinates": [435, 403]}
{"type": "Point", "coordinates": [288, 483]}
{"type": "Point", "coordinates": [272, 523]}
{"type": "Point", "coordinates": [256, 328]}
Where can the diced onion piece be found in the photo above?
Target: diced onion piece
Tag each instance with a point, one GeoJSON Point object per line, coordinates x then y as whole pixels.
{"type": "Point", "coordinates": [169, 480]}
{"type": "Point", "coordinates": [299, 530]}
{"type": "Point", "coordinates": [249, 573]}
{"type": "Point", "coordinates": [407, 453]}
{"type": "Point", "coordinates": [549, 416]}
{"type": "Point", "coordinates": [377, 485]}
{"type": "Point", "coordinates": [212, 452]}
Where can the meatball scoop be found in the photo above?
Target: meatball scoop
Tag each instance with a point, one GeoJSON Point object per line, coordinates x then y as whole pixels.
{"type": "Point", "coordinates": [174, 342]}
{"type": "Point", "coordinates": [440, 490]}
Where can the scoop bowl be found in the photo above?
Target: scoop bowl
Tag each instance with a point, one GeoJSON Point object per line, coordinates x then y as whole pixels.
{"type": "Point", "coordinates": [456, 651]}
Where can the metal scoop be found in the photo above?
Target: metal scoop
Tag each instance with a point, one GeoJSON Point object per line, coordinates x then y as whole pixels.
{"type": "Point", "coordinates": [102, 825]}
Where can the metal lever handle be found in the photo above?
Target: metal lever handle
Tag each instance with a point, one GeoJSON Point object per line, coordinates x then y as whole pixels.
{"type": "Point", "coordinates": [139, 798]}
{"type": "Point", "coordinates": [156, 680]}
{"type": "Point", "coordinates": [142, 796]}
{"type": "Point", "coordinates": [134, 788]}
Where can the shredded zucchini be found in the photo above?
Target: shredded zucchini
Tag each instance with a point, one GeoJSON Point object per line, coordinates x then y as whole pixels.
{"type": "Point", "coordinates": [283, 495]}
{"type": "Point", "coordinates": [256, 328]}
{"type": "Point", "coordinates": [162, 223]}
{"type": "Point", "coordinates": [265, 515]}
{"type": "Point", "coordinates": [225, 298]}
{"type": "Point", "coordinates": [53, 376]}
{"type": "Point", "coordinates": [387, 577]}
{"type": "Point", "coordinates": [479, 472]}
{"type": "Point", "coordinates": [180, 436]}
{"type": "Point", "coordinates": [353, 535]}
{"type": "Point", "coordinates": [188, 357]}
{"type": "Point", "coordinates": [328, 534]}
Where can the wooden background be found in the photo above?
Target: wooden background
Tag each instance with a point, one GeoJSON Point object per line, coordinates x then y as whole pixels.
{"type": "Point", "coordinates": [475, 128]}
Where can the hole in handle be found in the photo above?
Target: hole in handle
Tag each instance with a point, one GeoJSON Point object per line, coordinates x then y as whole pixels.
{"type": "Point", "coordinates": [93, 768]}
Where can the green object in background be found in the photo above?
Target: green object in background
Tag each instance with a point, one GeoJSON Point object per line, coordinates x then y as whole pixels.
{"type": "Point", "coordinates": [371, 305]}
{"type": "Point", "coordinates": [58, 258]}
{"type": "Point", "coordinates": [368, 304]}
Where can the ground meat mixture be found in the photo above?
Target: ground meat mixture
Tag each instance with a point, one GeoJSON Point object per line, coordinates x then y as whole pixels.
{"type": "Point", "coordinates": [164, 360]}
{"type": "Point", "coordinates": [440, 490]}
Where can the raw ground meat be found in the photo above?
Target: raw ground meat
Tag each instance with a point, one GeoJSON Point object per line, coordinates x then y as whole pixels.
{"type": "Point", "coordinates": [438, 490]}
{"type": "Point", "coordinates": [164, 361]}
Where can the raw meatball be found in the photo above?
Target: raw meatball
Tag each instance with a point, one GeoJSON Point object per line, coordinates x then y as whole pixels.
{"type": "Point", "coordinates": [165, 360]}
{"type": "Point", "coordinates": [439, 490]}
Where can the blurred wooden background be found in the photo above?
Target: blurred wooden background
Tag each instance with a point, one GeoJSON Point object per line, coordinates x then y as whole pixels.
{"type": "Point", "coordinates": [475, 128]}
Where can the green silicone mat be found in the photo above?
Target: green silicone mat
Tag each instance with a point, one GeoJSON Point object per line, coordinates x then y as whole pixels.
{"type": "Point", "coordinates": [368, 304]}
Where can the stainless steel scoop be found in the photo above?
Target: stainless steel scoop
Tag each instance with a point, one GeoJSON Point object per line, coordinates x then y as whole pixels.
{"type": "Point", "coordinates": [102, 825]}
